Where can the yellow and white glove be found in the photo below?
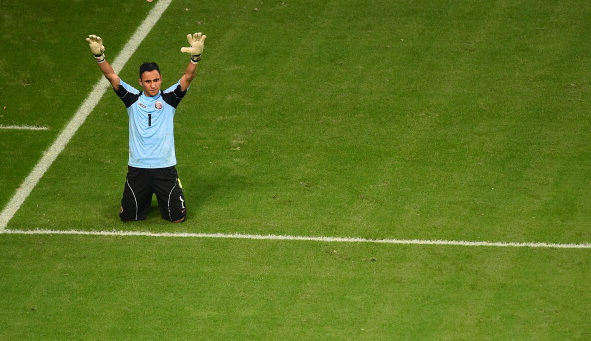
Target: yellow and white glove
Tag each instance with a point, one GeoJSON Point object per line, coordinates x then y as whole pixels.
{"type": "Point", "coordinates": [197, 43]}
{"type": "Point", "coordinates": [96, 47]}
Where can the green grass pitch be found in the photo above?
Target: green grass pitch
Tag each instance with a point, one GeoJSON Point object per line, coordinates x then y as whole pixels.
{"type": "Point", "coordinates": [425, 119]}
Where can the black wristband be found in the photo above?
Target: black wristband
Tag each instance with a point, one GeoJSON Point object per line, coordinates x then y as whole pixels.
{"type": "Point", "coordinates": [195, 58]}
{"type": "Point", "coordinates": [99, 58]}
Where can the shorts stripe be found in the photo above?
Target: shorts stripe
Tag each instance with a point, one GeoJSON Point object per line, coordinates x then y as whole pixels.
{"type": "Point", "coordinates": [134, 198]}
{"type": "Point", "coordinates": [170, 195]}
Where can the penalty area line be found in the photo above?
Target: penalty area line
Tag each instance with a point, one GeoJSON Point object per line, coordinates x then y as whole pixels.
{"type": "Point", "coordinates": [51, 154]}
{"type": "Point", "coordinates": [299, 238]}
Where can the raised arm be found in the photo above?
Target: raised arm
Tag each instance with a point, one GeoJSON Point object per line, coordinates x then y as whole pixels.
{"type": "Point", "coordinates": [188, 76]}
{"type": "Point", "coordinates": [98, 50]}
{"type": "Point", "coordinates": [197, 42]}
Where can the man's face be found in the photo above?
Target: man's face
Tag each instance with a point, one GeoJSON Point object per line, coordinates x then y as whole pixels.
{"type": "Point", "coordinates": [150, 82]}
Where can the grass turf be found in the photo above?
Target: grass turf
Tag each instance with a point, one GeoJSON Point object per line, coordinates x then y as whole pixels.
{"type": "Point", "coordinates": [90, 288]}
{"type": "Point", "coordinates": [425, 119]}
{"type": "Point", "coordinates": [431, 124]}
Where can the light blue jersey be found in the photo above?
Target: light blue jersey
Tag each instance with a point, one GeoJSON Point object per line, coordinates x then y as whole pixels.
{"type": "Point", "coordinates": [151, 129]}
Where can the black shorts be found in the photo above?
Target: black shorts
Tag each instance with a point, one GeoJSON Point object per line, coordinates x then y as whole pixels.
{"type": "Point", "coordinates": [141, 183]}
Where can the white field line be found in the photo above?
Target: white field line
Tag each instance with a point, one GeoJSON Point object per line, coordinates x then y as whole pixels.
{"type": "Point", "coordinates": [298, 238]}
{"type": "Point", "coordinates": [12, 127]}
{"type": "Point", "coordinates": [80, 116]}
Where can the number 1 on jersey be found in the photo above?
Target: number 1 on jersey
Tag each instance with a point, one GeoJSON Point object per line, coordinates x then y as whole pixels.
{"type": "Point", "coordinates": [149, 120]}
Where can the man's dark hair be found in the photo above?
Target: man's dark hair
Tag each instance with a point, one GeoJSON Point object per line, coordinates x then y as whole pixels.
{"type": "Point", "coordinates": [146, 67]}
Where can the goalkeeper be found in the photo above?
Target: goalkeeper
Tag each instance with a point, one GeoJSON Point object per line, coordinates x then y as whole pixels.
{"type": "Point", "coordinates": [152, 160]}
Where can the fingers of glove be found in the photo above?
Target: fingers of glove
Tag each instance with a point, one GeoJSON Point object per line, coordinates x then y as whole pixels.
{"type": "Point", "coordinates": [196, 37]}
{"type": "Point", "coordinates": [190, 39]}
{"type": "Point", "coordinates": [196, 41]}
{"type": "Point", "coordinates": [96, 44]}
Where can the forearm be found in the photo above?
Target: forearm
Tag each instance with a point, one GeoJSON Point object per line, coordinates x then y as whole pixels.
{"type": "Point", "coordinates": [98, 50]}
{"type": "Point", "coordinates": [188, 76]}
{"type": "Point", "coordinates": [196, 41]}
{"type": "Point", "coordinates": [109, 73]}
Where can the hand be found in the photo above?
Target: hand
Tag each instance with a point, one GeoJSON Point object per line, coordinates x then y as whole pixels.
{"type": "Point", "coordinates": [96, 47]}
{"type": "Point", "coordinates": [197, 44]}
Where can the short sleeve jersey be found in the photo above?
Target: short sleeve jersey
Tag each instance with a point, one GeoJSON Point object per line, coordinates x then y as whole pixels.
{"type": "Point", "coordinates": [151, 129]}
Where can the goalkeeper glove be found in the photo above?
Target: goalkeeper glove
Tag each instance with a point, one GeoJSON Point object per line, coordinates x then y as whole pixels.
{"type": "Point", "coordinates": [96, 46]}
{"type": "Point", "coordinates": [197, 43]}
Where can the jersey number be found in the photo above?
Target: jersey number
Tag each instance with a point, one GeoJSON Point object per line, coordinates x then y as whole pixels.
{"type": "Point", "coordinates": [149, 120]}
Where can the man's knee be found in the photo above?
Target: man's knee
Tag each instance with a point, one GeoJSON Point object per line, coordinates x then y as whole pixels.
{"type": "Point", "coordinates": [179, 216]}
{"type": "Point", "coordinates": [130, 215]}
{"type": "Point", "coordinates": [182, 220]}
